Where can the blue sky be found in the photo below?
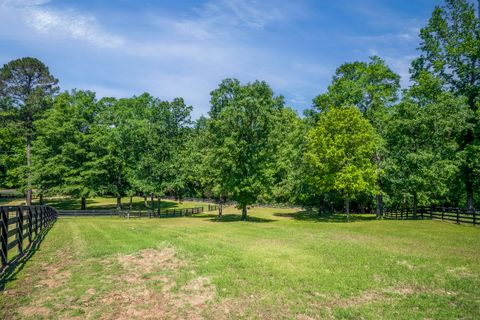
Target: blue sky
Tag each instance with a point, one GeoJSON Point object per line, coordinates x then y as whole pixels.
{"type": "Point", "coordinates": [185, 48]}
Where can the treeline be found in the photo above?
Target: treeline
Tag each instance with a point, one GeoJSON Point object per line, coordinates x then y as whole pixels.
{"type": "Point", "coordinates": [364, 144]}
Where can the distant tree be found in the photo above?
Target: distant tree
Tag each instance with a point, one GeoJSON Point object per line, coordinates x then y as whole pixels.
{"type": "Point", "coordinates": [239, 136]}
{"type": "Point", "coordinates": [288, 142]}
{"type": "Point", "coordinates": [373, 88]}
{"type": "Point", "coordinates": [63, 156]}
{"type": "Point", "coordinates": [12, 146]}
{"type": "Point", "coordinates": [28, 84]}
{"type": "Point", "coordinates": [340, 150]}
{"type": "Point", "coordinates": [422, 142]}
{"type": "Point", "coordinates": [450, 50]}
{"type": "Point", "coordinates": [113, 139]}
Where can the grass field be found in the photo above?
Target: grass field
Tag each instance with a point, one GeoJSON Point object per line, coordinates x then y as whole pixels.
{"type": "Point", "coordinates": [282, 264]}
{"type": "Point", "coordinates": [101, 203]}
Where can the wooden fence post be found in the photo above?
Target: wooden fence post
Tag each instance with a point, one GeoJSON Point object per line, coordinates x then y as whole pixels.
{"type": "Point", "coordinates": [20, 230]}
{"type": "Point", "coordinates": [36, 221]}
{"type": "Point", "coordinates": [458, 215]}
{"type": "Point", "coordinates": [474, 216]}
{"type": "Point", "coordinates": [4, 235]}
{"type": "Point", "coordinates": [30, 227]}
{"type": "Point", "coordinates": [443, 212]}
{"type": "Point", "coordinates": [42, 216]}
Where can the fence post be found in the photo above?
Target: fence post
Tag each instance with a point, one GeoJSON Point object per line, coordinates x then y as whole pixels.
{"type": "Point", "coordinates": [42, 216]}
{"type": "Point", "coordinates": [458, 215]}
{"type": "Point", "coordinates": [20, 230]}
{"type": "Point", "coordinates": [443, 212]}
{"type": "Point", "coordinates": [474, 216]}
{"type": "Point", "coordinates": [35, 225]}
{"type": "Point", "coordinates": [4, 235]}
{"type": "Point", "coordinates": [30, 227]}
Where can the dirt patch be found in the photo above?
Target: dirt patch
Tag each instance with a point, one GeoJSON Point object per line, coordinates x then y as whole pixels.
{"type": "Point", "coordinates": [144, 294]}
{"type": "Point", "coordinates": [34, 311]}
{"type": "Point", "coordinates": [149, 260]}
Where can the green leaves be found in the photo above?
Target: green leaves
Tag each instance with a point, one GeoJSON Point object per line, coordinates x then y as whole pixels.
{"type": "Point", "coordinates": [340, 150]}
{"type": "Point", "coordinates": [238, 149]}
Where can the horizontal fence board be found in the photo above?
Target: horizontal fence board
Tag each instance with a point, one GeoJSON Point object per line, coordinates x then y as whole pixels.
{"type": "Point", "coordinates": [12, 232]}
{"type": "Point", "coordinates": [139, 213]}
{"type": "Point", "coordinates": [456, 215]}
{"type": "Point", "coordinates": [12, 220]}
{"type": "Point", "coordinates": [12, 244]}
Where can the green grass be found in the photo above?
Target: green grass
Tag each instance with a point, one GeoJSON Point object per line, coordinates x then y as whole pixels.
{"type": "Point", "coordinates": [281, 264]}
{"type": "Point", "coordinates": [101, 203]}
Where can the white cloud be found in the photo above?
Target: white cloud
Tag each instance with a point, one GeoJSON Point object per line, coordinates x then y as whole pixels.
{"type": "Point", "coordinates": [55, 23]}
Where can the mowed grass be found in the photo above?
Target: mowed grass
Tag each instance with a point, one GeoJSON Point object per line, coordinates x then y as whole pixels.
{"type": "Point", "coordinates": [282, 264]}
{"type": "Point", "coordinates": [102, 203]}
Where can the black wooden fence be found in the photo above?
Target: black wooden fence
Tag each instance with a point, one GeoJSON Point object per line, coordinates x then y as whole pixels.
{"type": "Point", "coordinates": [456, 215]}
{"type": "Point", "coordinates": [20, 226]}
{"type": "Point", "coordinates": [140, 213]}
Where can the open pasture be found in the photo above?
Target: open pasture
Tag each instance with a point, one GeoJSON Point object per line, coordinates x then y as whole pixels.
{"type": "Point", "coordinates": [281, 264]}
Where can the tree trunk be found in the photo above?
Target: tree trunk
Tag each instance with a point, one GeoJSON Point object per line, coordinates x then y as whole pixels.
{"type": "Point", "coordinates": [41, 199]}
{"type": "Point", "coordinates": [152, 205]}
{"type": "Point", "coordinates": [320, 206]}
{"type": "Point", "coordinates": [220, 208]}
{"type": "Point", "coordinates": [130, 204]}
{"type": "Point", "coordinates": [29, 178]}
{"type": "Point", "coordinates": [158, 205]}
{"type": "Point", "coordinates": [415, 202]}
{"type": "Point", "coordinates": [244, 212]}
{"type": "Point", "coordinates": [145, 202]}
{"type": "Point", "coordinates": [119, 203]}
{"type": "Point", "coordinates": [83, 203]}
{"type": "Point", "coordinates": [347, 207]}
{"type": "Point", "coordinates": [379, 209]}
{"type": "Point", "coordinates": [469, 187]}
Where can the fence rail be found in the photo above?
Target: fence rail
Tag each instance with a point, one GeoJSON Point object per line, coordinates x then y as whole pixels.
{"type": "Point", "coordinates": [450, 214]}
{"type": "Point", "coordinates": [139, 213]}
{"type": "Point", "coordinates": [20, 226]}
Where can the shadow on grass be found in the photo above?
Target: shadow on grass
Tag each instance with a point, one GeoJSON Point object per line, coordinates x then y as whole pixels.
{"type": "Point", "coordinates": [315, 217]}
{"type": "Point", "coordinates": [16, 265]}
{"type": "Point", "coordinates": [232, 218]}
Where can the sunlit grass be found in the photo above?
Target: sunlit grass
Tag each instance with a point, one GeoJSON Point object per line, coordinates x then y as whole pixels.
{"type": "Point", "coordinates": [281, 264]}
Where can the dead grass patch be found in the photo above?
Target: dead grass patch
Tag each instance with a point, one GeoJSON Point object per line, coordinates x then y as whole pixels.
{"type": "Point", "coordinates": [137, 297]}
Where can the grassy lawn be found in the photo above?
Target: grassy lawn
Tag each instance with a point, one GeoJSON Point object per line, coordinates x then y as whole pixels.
{"type": "Point", "coordinates": [99, 203]}
{"type": "Point", "coordinates": [282, 264]}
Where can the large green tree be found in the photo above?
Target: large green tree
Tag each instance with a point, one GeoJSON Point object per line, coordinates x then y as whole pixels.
{"type": "Point", "coordinates": [450, 50]}
{"type": "Point", "coordinates": [373, 88]}
{"type": "Point", "coordinates": [239, 134]}
{"type": "Point", "coordinates": [340, 150]}
{"type": "Point", "coordinates": [63, 155]}
{"type": "Point", "coordinates": [423, 145]}
{"type": "Point", "coordinates": [28, 84]}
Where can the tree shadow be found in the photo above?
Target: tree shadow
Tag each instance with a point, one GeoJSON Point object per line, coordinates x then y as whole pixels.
{"type": "Point", "coordinates": [313, 216]}
{"type": "Point", "coordinates": [232, 218]}
{"type": "Point", "coordinates": [14, 267]}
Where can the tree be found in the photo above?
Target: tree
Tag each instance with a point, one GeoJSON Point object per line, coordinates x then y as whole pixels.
{"type": "Point", "coordinates": [239, 142]}
{"type": "Point", "coordinates": [287, 139]}
{"type": "Point", "coordinates": [63, 156]}
{"type": "Point", "coordinates": [450, 50]}
{"type": "Point", "coordinates": [422, 142]}
{"type": "Point", "coordinates": [340, 150]}
{"type": "Point", "coordinates": [28, 83]}
{"type": "Point", "coordinates": [373, 88]}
